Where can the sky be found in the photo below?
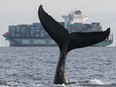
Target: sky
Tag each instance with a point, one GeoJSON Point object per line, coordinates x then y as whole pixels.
{"type": "Point", "coordinates": [13, 12]}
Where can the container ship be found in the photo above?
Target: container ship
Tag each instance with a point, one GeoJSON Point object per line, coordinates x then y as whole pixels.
{"type": "Point", "coordinates": [35, 35]}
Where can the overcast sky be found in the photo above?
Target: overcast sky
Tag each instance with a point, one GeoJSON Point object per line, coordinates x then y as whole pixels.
{"type": "Point", "coordinates": [13, 12]}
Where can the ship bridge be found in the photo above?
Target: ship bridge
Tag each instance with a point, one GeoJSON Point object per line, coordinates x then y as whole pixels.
{"type": "Point", "coordinates": [74, 17]}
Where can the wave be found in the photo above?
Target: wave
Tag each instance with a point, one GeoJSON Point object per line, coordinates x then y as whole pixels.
{"type": "Point", "coordinates": [5, 86]}
{"type": "Point", "coordinates": [89, 83]}
{"type": "Point", "coordinates": [96, 81]}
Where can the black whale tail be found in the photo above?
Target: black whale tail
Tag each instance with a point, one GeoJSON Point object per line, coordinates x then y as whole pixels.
{"type": "Point", "coordinates": [62, 37]}
{"type": "Point", "coordinates": [67, 41]}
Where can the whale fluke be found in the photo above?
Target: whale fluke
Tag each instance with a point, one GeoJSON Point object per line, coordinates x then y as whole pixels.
{"type": "Point", "coordinates": [56, 31]}
{"type": "Point", "coordinates": [83, 39]}
{"type": "Point", "coordinates": [67, 41]}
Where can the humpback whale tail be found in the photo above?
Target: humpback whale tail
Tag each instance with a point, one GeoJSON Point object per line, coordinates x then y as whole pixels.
{"type": "Point", "coordinates": [67, 41]}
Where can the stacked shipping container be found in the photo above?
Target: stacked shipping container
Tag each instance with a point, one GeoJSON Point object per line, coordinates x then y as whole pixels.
{"type": "Point", "coordinates": [26, 31]}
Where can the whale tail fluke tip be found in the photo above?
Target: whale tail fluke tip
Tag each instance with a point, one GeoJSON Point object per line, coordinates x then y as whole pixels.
{"type": "Point", "coordinates": [108, 30]}
{"type": "Point", "coordinates": [41, 6]}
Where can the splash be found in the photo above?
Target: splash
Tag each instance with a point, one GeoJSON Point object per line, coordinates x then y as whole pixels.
{"type": "Point", "coordinates": [96, 81]}
{"type": "Point", "coordinates": [4, 86]}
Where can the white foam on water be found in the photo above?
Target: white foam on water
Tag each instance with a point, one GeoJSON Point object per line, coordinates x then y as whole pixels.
{"type": "Point", "coordinates": [96, 81]}
{"type": "Point", "coordinates": [5, 86]}
{"type": "Point", "coordinates": [12, 82]}
{"type": "Point", "coordinates": [70, 85]}
{"type": "Point", "coordinates": [38, 85]}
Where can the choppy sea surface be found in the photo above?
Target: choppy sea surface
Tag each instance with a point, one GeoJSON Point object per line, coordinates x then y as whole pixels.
{"type": "Point", "coordinates": [35, 67]}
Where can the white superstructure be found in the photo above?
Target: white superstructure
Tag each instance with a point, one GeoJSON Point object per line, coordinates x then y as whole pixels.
{"type": "Point", "coordinates": [74, 17]}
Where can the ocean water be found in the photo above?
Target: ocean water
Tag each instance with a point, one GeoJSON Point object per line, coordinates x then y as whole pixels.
{"type": "Point", "coordinates": [35, 67]}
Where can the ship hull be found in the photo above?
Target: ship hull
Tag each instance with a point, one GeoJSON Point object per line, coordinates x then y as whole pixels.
{"type": "Point", "coordinates": [31, 42]}
{"type": "Point", "coordinates": [44, 42]}
{"type": "Point", "coordinates": [103, 43]}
